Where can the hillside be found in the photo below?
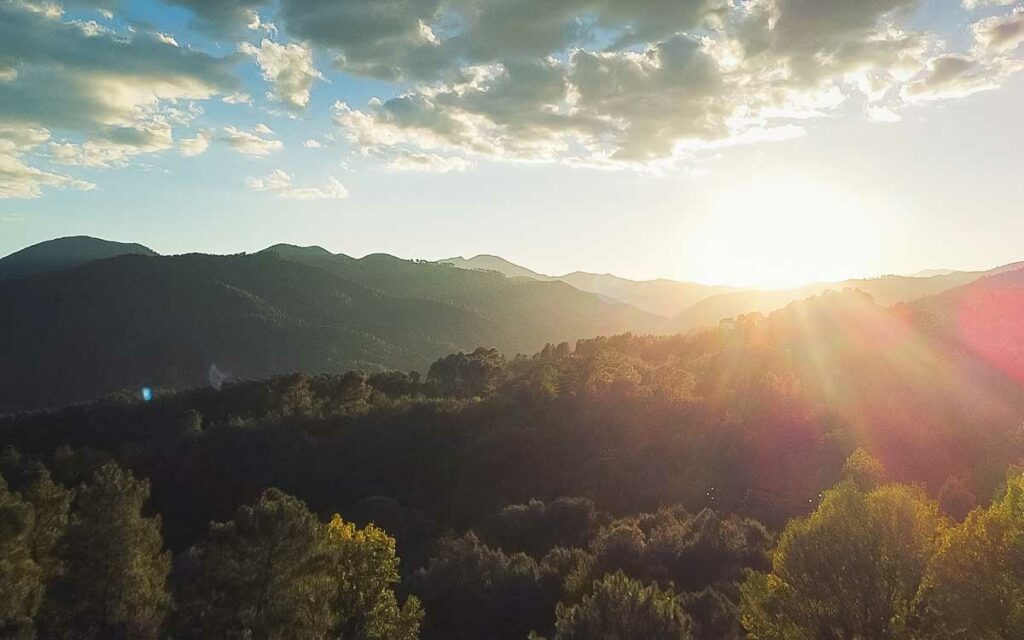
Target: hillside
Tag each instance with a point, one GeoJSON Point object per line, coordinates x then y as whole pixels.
{"type": "Point", "coordinates": [131, 321]}
{"type": "Point", "coordinates": [886, 290]}
{"type": "Point", "coordinates": [663, 297]}
{"type": "Point", "coordinates": [65, 253]}
{"type": "Point", "coordinates": [535, 312]}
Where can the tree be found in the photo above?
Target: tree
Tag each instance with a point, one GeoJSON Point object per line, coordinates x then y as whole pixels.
{"type": "Point", "coordinates": [864, 470]}
{"type": "Point", "coordinates": [258, 576]}
{"type": "Point", "coordinates": [974, 587]}
{"type": "Point", "coordinates": [466, 375]}
{"type": "Point", "coordinates": [623, 609]}
{"type": "Point", "coordinates": [472, 591]}
{"type": "Point", "coordinates": [850, 570]}
{"type": "Point", "coordinates": [21, 585]}
{"type": "Point", "coordinates": [115, 569]}
{"type": "Point", "coordinates": [51, 503]}
{"type": "Point", "coordinates": [364, 569]}
{"type": "Point", "coordinates": [276, 572]}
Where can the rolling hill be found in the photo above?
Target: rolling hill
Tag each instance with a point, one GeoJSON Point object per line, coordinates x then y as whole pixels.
{"type": "Point", "coordinates": [64, 253]}
{"type": "Point", "coordinates": [131, 321]}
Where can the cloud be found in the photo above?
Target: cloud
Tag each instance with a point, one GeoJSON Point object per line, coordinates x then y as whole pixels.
{"type": "Point", "coordinates": [223, 16]}
{"type": "Point", "coordinates": [427, 163]}
{"type": "Point", "coordinates": [289, 68]}
{"type": "Point", "coordinates": [18, 180]}
{"type": "Point", "coordinates": [196, 145]}
{"type": "Point", "coordinates": [119, 95]}
{"type": "Point", "coordinates": [1000, 34]}
{"type": "Point", "coordinates": [311, 144]}
{"type": "Point", "coordinates": [280, 184]}
{"type": "Point", "coordinates": [249, 143]}
{"type": "Point", "coordinates": [237, 98]}
{"type": "Point", "coordinates": [976, 4]}
{"type": "Point", "coordinates": [958, 76]}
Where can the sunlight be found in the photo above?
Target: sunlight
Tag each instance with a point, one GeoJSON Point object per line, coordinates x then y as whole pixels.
{"type": "Point", "coordinates": [783, 231]}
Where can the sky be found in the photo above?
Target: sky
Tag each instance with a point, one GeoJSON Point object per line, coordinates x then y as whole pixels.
{"type": "Point", "coordinates": [754, 143]}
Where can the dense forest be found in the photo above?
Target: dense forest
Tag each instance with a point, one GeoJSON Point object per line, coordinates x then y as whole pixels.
{"type": "Point", "coordinates": [835, 470]}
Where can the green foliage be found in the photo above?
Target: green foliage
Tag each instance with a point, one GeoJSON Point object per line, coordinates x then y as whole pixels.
{"type": "Point", "coordinates": [537, 527]}
{"type": "Point", "coordinates": [864, 470]}
{"type": "Point", "coordinates": [115, 569]}
{"type": "Point", "coordinates": [624, 609]}
{"type": "Point", "coordinates": [21, 579]}
{"type": "Point", "coordinates": [470, 590]}
{"type": "Point", "coordinates": [974, 587]}
{"type": "Point", "coordinates": [850, 570]}
{"type": "Point", "coordinates": [467, 375]}
{"type": "Point", "coordinates": [259, 575]}
{"type": "Point", "coordinates": [689, 551]}
{"type": "Point", "coordinates": [364, 569]}
{"type": "Point", "coordinates": [275, 571]}
{"type": "Point", "coordinates": [50, 503]}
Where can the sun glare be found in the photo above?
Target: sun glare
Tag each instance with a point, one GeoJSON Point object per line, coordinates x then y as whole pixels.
{"type": "Point", "coordinates": [783, 232]}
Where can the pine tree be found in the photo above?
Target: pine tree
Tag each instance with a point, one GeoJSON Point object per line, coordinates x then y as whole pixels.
{"type": "Point", "coordinates": [21, 583]}
{"type": "Point", "coordinates": [115, 569]}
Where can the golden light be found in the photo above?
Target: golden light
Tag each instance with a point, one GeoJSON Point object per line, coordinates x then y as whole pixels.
{"type": "Point", "coordinates": [783, 231]}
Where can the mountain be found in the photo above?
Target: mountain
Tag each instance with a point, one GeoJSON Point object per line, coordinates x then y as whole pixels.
{"type": "Point", "coordinates": [534, 311]}
{"type": "Point", "coordinates": [663, 297]}
{"type": "Point", "coordinates": [495, 263]}
{"type": "Point", "coordinates": [886, 290]}
{"type": "Point", "coordinates": [64, 253]}
{"type": "Point", "coordinates": [133, 320]}
{"type": "Point", "coordinates": [931, 273]}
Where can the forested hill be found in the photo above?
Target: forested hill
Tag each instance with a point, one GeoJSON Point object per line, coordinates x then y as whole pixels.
{"type": "Point", "coordinates": [64, 253]}
{"type": "Point", "coordinates": [123, 323]}
{"type": "Point", "coordinates": [526, 492]}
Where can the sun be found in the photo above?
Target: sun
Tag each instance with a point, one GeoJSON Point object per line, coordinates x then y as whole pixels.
{"type": "Point", "coordinates": [783, 231]}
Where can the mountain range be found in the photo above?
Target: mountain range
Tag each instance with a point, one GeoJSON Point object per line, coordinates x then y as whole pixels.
{"type": "Point", "coordinates": [86, 317]}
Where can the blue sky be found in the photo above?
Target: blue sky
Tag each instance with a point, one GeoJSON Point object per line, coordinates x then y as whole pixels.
{"type": "Point", "coordinates": [760, 143]}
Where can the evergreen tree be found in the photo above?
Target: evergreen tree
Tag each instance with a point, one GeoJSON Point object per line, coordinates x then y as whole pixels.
{"type": "Point", "coordinates": [115, 568]}
{"type": "Point", "coordinates": [259, 575]}
{"type": "Point", "coordinates": [623, 609]}
{"type": "Point", "coordinates": [21, 583]}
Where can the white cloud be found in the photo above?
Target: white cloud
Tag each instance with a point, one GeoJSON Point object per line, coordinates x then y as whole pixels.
{"type": "Point", "coordinates": [280, 184]}
{"type": "Point", "coordinates": [237, 98]}
{"type": "Point", "coordinates": [311, 144]}
{"type": "Point", "coordinates": [289, 68]}
{"type": "Point", "coordinates": [262, 128]}
{"type": "Point", "coordinates": [196, 145]}
{"type": "Point", "coordinates": [249, 143]}
{"type": "Point", "coordinates": [1000, 34]}
{"type": "Point", "coordinates": [427, 163]}
{"type": "Point", "coordinates": [976, 4]}
{"type": "Point", "coordinates": [166, 38]}
{"type": "Point", "coordinates": [18, 180]}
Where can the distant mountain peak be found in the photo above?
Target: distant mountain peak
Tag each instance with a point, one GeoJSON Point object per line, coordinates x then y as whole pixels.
{"type": "Point", "coordinates": [65, 253]}
{"type": "Point", "coordinates": [284, 249]}
{"type": "Point", "coordinates": [487, 262]}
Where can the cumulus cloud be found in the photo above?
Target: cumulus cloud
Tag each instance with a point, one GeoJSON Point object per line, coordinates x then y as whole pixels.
{"type": "Point", "coordinates": [249, 143]}
{"type": "Point", "coordinates": [196, 145]}
{"type": "Point", "coordinates": [280, 184]}
{"type": "Point", "coordinates": [289, 68]}
{"type": "Point", "coordinates": [119, 95]}
{"type": "Point", "coordinates": [18, 180]}
{"type": "Point", "coordinates": [1000, 34]}
{"type": "Point", "coordinates": [311, 144]}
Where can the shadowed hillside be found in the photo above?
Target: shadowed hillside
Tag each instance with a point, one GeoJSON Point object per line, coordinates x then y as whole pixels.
{"type": "Point", "coordinates": [64, 253]}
